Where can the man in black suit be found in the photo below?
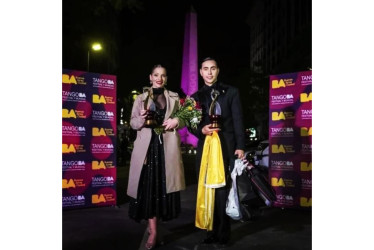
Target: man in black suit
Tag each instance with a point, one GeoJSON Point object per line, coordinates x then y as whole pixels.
{"type": "Point", "coordinates": [231, 135]}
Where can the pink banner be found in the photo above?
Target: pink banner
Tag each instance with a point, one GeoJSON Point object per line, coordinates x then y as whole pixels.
{"type": "Point", "coordinates": [88, 139]}
{"type": "Point", "coordinates": [290, 138]}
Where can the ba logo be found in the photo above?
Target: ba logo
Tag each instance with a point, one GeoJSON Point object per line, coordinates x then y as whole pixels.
{"type": "Point", "coordinates": [277, 149]}
{"type": "Point", "coordinates": [304, 131]}
{"type": "Point", "coordinates": [305, 202]}
{"type": "Point", "coordinates": [304, 166]}
{"type": "Point", "coordinates": [66, 149]}
{"type": "Point", "coordinates": [304, 97]}
{"type": "Point", "coordinates": [68, 114]}
{"type": "Point", "coordinates": [98, 165]}
{"type": "Point", "coordinates": [275, 84]}
{"type": "Point", "coordinates": [275, 116]}
{"type": "Point", "coordinates": [98, 198]}
{"type": "Point", "coordinates": [68, 183]}
{"type": "Point", "coordinates": [275, 182]}
{"type": "Point", "coordinates": [68, 80]}
{"type": "Point", "coordinates": [98, 99]}
{"type": "Point", "coordinates": [98, 132]}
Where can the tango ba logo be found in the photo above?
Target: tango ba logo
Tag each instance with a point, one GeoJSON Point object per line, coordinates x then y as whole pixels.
{"type": "Point", "coordinates": [66, 149]}
{"type": "Point", "coordinates": [96, 165]}
{"type": "Point", "coordinates": [102, 198]}
{"type": "Point", "coordinates": [306, 114]}
{"type": "Point", "coordinates": [304, 97]}
{"type": "Point", "coordinates": [306, 184]}
{"type": "Point", "coordinates": [102, 99]}
{"type": "Point", "coordinates": [102, 115]}
{"type": "Point", "coordinates": [66, 113]}
{"type": "Point", "coordinates": [275, 182]}
{"type": "Point", "coordinates": [102, 181]}
{"type": "Point", "coordinates": [305, 166]}
{"type": "Point", "coordinates": [98, 198]}
{"type": "Point", "coordinates": [73, 96]}
{"type": "Point", "coordinates": [282, 83]}
{"type": "Point", "coordinates": [306, 148]}
{"type": "Point", "coordinates": [102, 131]}
{"type": "Point", "coordinates": [304, 131]}
{"type": "Point", "coordinates": [73, 130]}
{"type": "Point", "coordinates": [72, 148]}
{"type": "Point", "coordinates": [282, 132]}
{"type": "Point", "coordinates": [72, 183]}
{"type": "Point", "coordinates": [103, 83]}
{"type": "Point", "coordinates": [306, 80]}
{"type": "Point", "coordinates": [280, 182]}
{"type": "Point", "coordinates": [281, 99]}
{"type": "Point", "coordinates": [75, 200]}
{"type": "Point", "coordinates": [276, 149]}
{"type": "Point", "coordinates": [68, 183]}
{"type": "Point", "coordinates": [305, 202]}
{"type": "Point", "coordinates": [281, 165]}
{"type": "Point", "coordinates": [285, 199]}
{"type": "Point", "coordinates": [73, 165]}
{"type": "Point", "coordinates": [102, 148]}
{"type": "Point", "coordinates": [66, 79]}
{"type": "Point", "coordinates": [284, 115]}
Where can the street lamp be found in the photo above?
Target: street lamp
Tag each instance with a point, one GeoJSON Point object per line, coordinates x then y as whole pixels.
{"type": "Point", "coordinates": [94, 47]}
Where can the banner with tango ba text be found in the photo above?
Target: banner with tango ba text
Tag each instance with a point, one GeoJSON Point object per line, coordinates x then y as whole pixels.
{"type": "Point", "coordinates": [290, 138]}
{"type": "Point", "coordinates": [88, 139]}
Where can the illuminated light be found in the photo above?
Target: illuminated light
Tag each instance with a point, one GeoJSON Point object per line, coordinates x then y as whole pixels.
{"type": "Point", "coordinates": [97, 46]}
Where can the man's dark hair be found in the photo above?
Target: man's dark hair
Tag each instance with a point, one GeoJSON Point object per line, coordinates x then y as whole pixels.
{"type": "Point", "coordinates": [208, 59]}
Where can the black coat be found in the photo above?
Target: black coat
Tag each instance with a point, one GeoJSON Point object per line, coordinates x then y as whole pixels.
{"type": "Point", "coordinates": [232, 134]}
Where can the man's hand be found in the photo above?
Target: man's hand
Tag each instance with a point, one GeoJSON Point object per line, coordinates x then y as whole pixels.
{"type": "Point", "coordinates": [206, 130]}
{"type": "Point", "coordinates": [239, 153]}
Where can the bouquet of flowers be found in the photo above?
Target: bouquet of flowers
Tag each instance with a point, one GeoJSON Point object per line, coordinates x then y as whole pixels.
{"type": "Point", "coordinates": [189, 111]}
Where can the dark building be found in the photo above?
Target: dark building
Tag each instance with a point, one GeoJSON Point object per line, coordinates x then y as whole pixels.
{"type": "Point", "coordinates": [281, 36]}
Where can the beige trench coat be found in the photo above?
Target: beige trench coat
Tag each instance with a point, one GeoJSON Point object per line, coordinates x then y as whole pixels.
{"type": "Point", "coordinates": [174, 169]}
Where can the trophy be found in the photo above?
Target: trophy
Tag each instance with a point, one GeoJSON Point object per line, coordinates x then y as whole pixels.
{"type": "Point", "coordinates": [215, 111]}
{"type": "Point", "coordinates": [150, 119]}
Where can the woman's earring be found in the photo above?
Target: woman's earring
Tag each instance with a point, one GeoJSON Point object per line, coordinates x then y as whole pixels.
{"type": "Point", "coordinates": [150, 82]}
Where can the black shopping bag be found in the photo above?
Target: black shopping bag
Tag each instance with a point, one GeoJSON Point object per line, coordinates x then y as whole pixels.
{"type": "Point", "coordinates": [262, 186]}
{"type": "Point", "coordinates": [249, 201]}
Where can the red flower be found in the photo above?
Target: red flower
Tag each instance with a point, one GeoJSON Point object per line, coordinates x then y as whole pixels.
{"type": "Point", "coordinates": [181, 101]}
{"type": "Point", "coordinates": [197, 106]}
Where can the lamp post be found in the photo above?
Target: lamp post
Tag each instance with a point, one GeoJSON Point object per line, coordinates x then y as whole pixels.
{"type": "Point", "coordinates": [94, 47]}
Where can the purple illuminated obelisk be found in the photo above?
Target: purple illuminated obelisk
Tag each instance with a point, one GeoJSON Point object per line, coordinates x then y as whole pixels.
{"type": "Point", "coordinates": [189, 82]}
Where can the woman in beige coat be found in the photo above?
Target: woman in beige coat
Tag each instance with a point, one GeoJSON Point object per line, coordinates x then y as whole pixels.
{"type": "Point", "coordinates": [156, 169]}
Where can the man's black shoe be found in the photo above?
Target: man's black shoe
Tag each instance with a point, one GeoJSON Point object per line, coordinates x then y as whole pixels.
{"type": "Point", "coordinates": [210, 240]}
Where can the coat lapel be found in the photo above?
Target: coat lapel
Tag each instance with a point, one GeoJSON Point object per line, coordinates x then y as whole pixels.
{"type": "Point", "coordinates": [170, 103]}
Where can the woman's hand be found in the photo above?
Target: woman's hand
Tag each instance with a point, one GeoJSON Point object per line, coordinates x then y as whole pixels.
{"type": "Point", "coordinates": [170, 123]}
{"type": "Point", "coordinates": [143, 113]}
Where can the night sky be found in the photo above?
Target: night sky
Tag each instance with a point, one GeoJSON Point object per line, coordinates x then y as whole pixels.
{"type": "Point", "coordinates": [144, 33]}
